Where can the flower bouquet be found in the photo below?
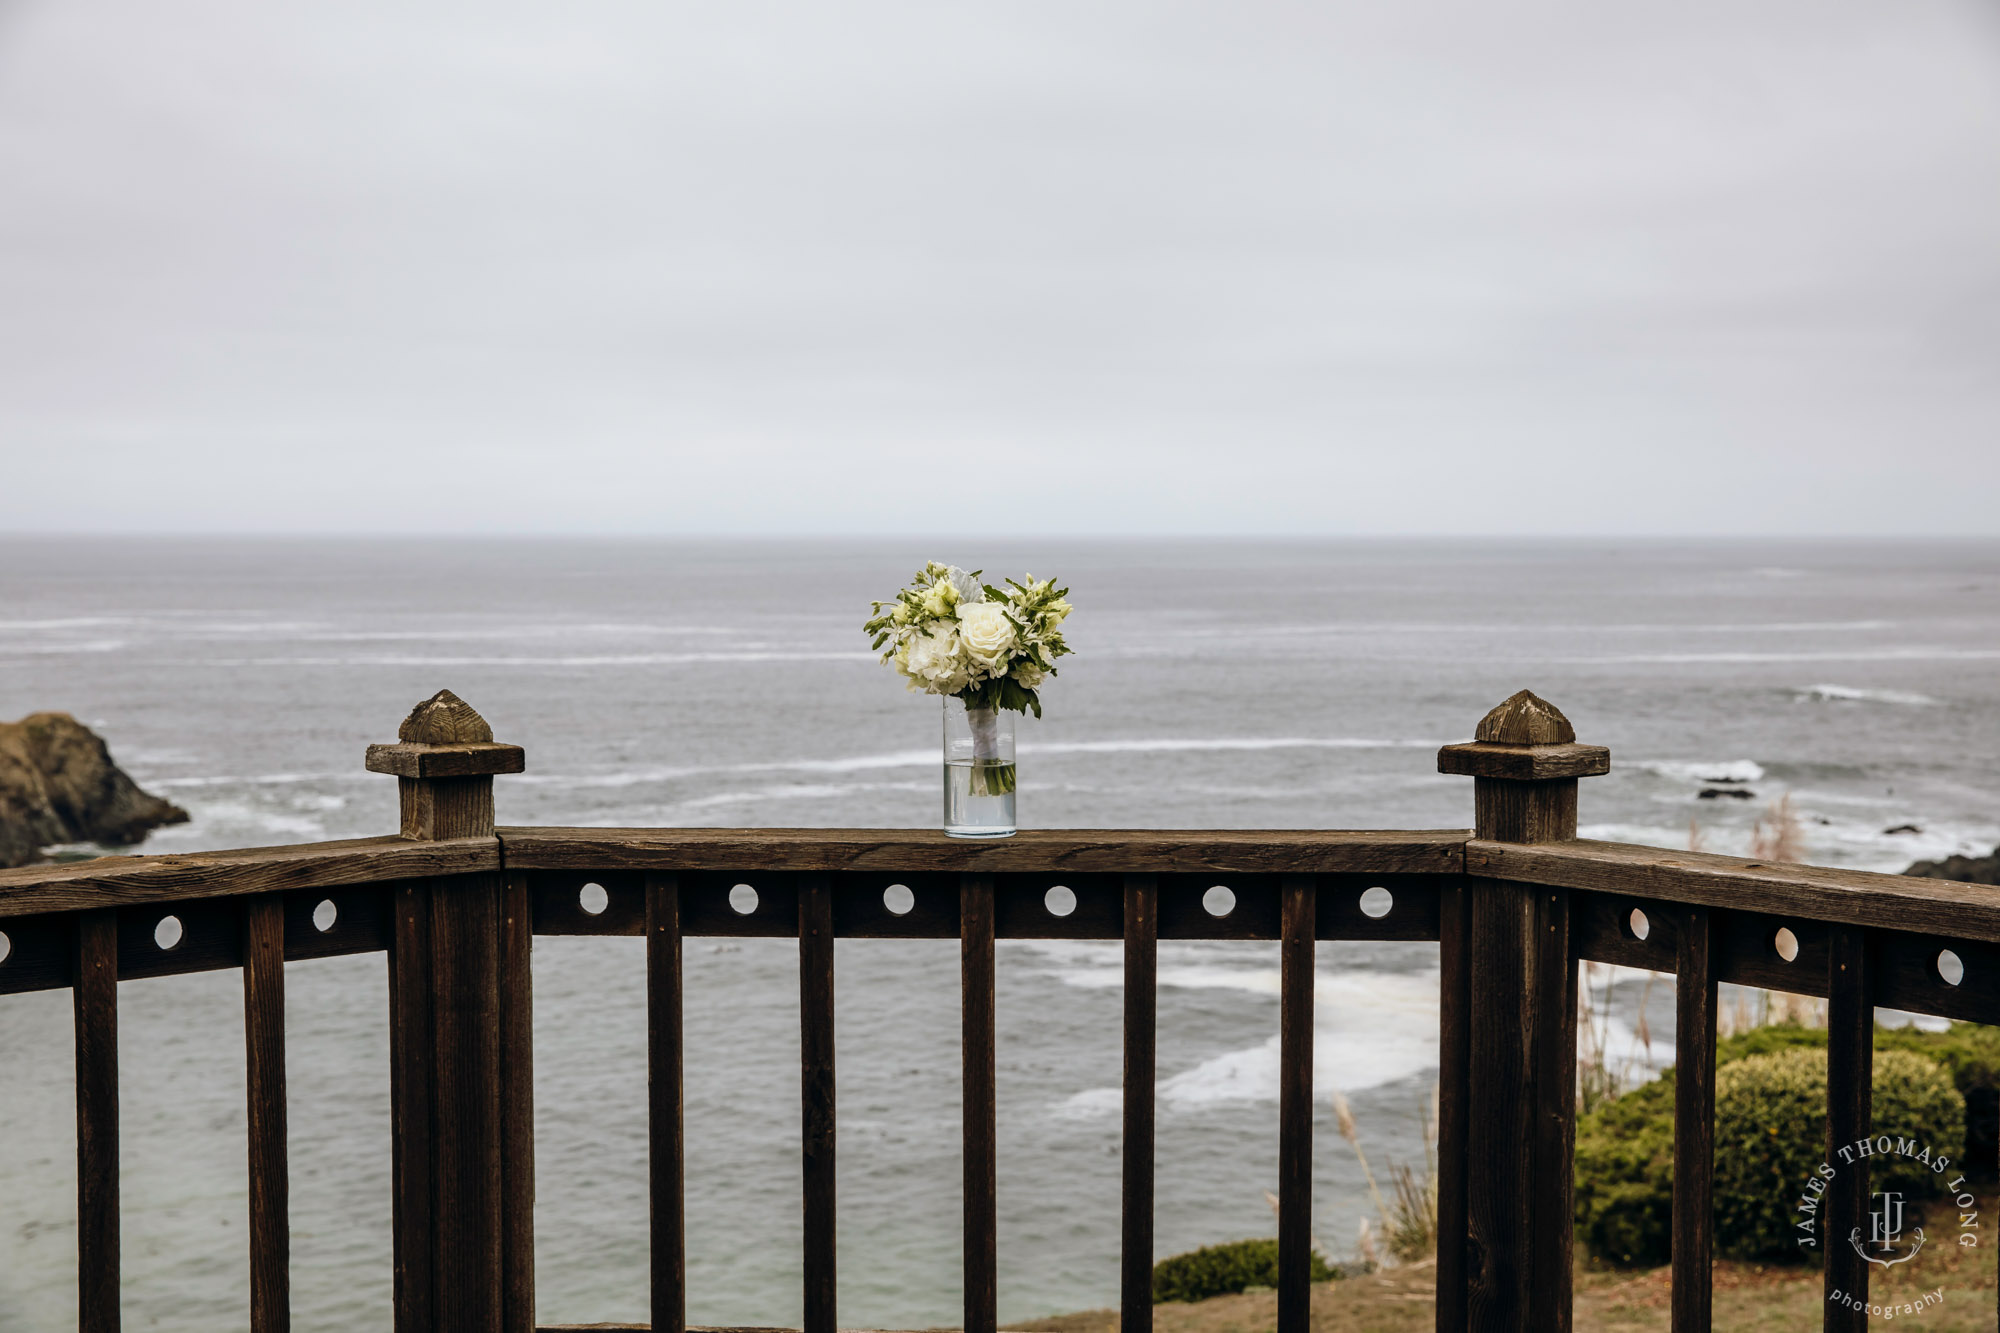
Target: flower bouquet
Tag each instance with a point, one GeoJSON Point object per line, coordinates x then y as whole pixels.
{"type": "Point", "coordinates": [986, 651]}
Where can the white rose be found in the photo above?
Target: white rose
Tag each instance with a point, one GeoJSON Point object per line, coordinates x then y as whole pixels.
{"type": "Point", "coordinates": [985, 631]}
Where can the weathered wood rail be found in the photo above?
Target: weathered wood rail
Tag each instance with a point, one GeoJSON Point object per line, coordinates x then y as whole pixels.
{"type": "Point", "coordinates": [453, 903]}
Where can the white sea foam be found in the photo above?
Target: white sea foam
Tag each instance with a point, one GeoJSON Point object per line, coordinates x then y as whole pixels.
{"type": "Point", "coordinates": [68, 622]}
{"type": "Point", "coordinates": [1827, 841]}
{"type": "Point", "coordinates": [515, 660]}
{"type": "Point", "coordinates": [1831, 655]}
{"type": "Point", "coordinates": [1531, 628]}
{"type": "Point", "coordinates": [639, 777]}
{"type": "Point", "coordinates": [1172, 744]}
{"type": "Point", "coordinates": [1850, 694]}
{"type": "Point", "coordinates": [1370, 1027]}
{"type": "Point", "coordinates": [797, 791]}
{"type": "Point", "coordinates": [253, 627]}
{"type": "Point", "coordinates": [266, 779]}
{"type": "Point", "coordinates": [508, 632]}
{"type": "Point", "coordinates": [59, 648]}
{"type": "Point", "coordinates": [209, 816]}
{"type": "Point", "coordinates": [1644, 835]}
{"type": "Point", "coordinates": [860, 763]}
{"type": "Point", "coordinates": [1706, 770]}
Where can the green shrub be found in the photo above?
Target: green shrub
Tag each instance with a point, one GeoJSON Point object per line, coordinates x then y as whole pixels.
{"type": "Point", "coordinates": [1218, 1270]}
{"type": "Point", "coordinates": [1625, 1175]}
{"type": "Point", "coordinates": [1770, 1129]}
{"type": "Point", "coordinates": [1770, 1132]}
{"type": "Point", "coordinates": [1969, 1052]}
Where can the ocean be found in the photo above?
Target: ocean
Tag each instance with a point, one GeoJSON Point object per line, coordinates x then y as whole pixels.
{"type": "Point", "coordinates": [1248, 684]}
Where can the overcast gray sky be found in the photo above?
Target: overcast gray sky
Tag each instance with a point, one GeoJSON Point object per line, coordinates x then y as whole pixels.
{"type": "Point", "coordinates": [627, 266]}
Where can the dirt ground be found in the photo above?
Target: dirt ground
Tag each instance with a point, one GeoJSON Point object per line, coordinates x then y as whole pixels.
{"type": "Point", "coordinates": [1748, 1299]}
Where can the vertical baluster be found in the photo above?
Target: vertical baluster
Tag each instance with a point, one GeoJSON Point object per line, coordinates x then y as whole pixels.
{"type": "Point", "coordinates": [1694, 1120]}
{"type": "Point", "coordinates": [1553, 1178]}
{"type": "Point", "coordinates": [264, 1043]}
{"type": "Point", "coordinates": [1295, 1105]}
{"type": "Point", "coordinates": [816, 1060]}
{"type": "Point", "coordinates": [975, 949]}
{"type": "Point", "coordinates": [1142, 950]}
{"type": "Point", "coordinates": [1850, 1065]}
{"type": "Point", "coordinates": [410, 1121]}
{"type": "Point", "coordinates": [95, 995]}
{"type": "Point", "coordinates": [465, 1003]}
{"type": "Point", "coordinates": [1454, 1102]}
{"type": "Point", "coordinates": [664, 1103]}
{"type": "Point", "coordinates": [517, 1105]}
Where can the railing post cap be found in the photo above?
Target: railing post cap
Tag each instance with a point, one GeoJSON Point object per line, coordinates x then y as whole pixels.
{"type": "Point", "coordinates": [1525, 739]}
{"type": "Point", "coordinates": [1525, 718]}
{"type": "Point", "coordinates": [446, 719]}
{"type": "Point", "coordinates": [445, 737]}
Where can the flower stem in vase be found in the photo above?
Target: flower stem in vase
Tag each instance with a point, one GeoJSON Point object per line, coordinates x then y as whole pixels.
{"type": "Point", "coordinates": [992, 773]}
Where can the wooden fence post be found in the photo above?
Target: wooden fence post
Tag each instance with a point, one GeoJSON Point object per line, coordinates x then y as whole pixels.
{"type": "Point", "coordinates": [1518, 1136]}
{"type": "Point", "coordinates": [459, 1049]}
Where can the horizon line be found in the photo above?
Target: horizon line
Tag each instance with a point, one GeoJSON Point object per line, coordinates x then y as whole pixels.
{"type": "Point", "coordinates": [961, 535]}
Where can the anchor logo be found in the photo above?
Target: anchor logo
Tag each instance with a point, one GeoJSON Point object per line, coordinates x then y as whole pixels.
{"type": "Point", "coordinates": [1885, 1229]}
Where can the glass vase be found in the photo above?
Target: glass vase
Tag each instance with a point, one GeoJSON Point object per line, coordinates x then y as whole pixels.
{"type": "Point", "coordinates": [978, 771]}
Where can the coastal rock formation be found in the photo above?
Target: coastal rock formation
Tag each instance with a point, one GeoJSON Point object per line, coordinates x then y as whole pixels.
{"type": "Point", "coordinates": [58, 784]}
{"type": "Point", "coordinates": [1966, 869]}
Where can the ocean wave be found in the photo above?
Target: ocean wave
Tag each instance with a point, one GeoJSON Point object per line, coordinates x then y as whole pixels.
{"type": "Point", "coordinates": [1172, 745]}
{"type": "Point", "coordinates": [1750, 658]}
{"type": "Point", "coordinates": [1671, 837]}
{"type": "Point", "coordinates": [582, 660]}
{"type": "Point", "coordinates": [1850, 694]}
{"type": "Point", "coordinates": [240, 816]}
{"type": "Point", "coordinates": [860, 763]}
{"type": "Point", "coordinates": [507, 632]}
{"type": "Point", "coordinates": [1706, 770]}
{"type": "Point", "coordinates": [1847, 843]}
{"type": "Point", "coordinates": [1534, 628]}
{"type": "Point", "coordinates": [243, 628]}
{"type": "Point", "coordinates": [798, 791]}
{"type": "Point", "coordinates": [67, 622]}
{"type": "Point", "coordinates": [57, 649]}
{"type": "Point", "coordinates": [1370, 1029]}
{"type": "Point", "coordinates": [265, 779]}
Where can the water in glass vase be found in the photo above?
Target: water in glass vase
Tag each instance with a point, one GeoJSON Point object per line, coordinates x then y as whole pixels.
{"type": "Point", "coordinates": [978, 771]}
{"type": "Point", "coordinates": [979, 798]}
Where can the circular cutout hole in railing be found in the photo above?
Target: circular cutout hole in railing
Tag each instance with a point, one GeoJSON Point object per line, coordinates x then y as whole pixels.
{"type": "Point", "coordinates": [1637, 924]}
{"type": "Point", "coordinates": [1786, 944]}
{"type": "Point", "coordinates": [1060, 900]}
{"type": "Point", "coordinates": [593, 898]}
{"type": "Point", "coordinates": [6, 946]}
{"type": "Point", "coordinates": [743, 900]}
{"type": "Point", "coordinates": [1219, 901]}
{"type": "Point", "coordinates": [1377, 902]}
{"type": "Point", "coordinates": [168, 933]}
{"type": "Point", "coordinates": [1950, 967]}
{"type": "Point", "coordinates": [325, 915]}
{"type": "Point", "coordinates": [898, 899]}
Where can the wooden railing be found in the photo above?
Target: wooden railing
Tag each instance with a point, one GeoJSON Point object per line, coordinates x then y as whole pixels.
{"type": "Point", "coordinates": [454, 903]}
